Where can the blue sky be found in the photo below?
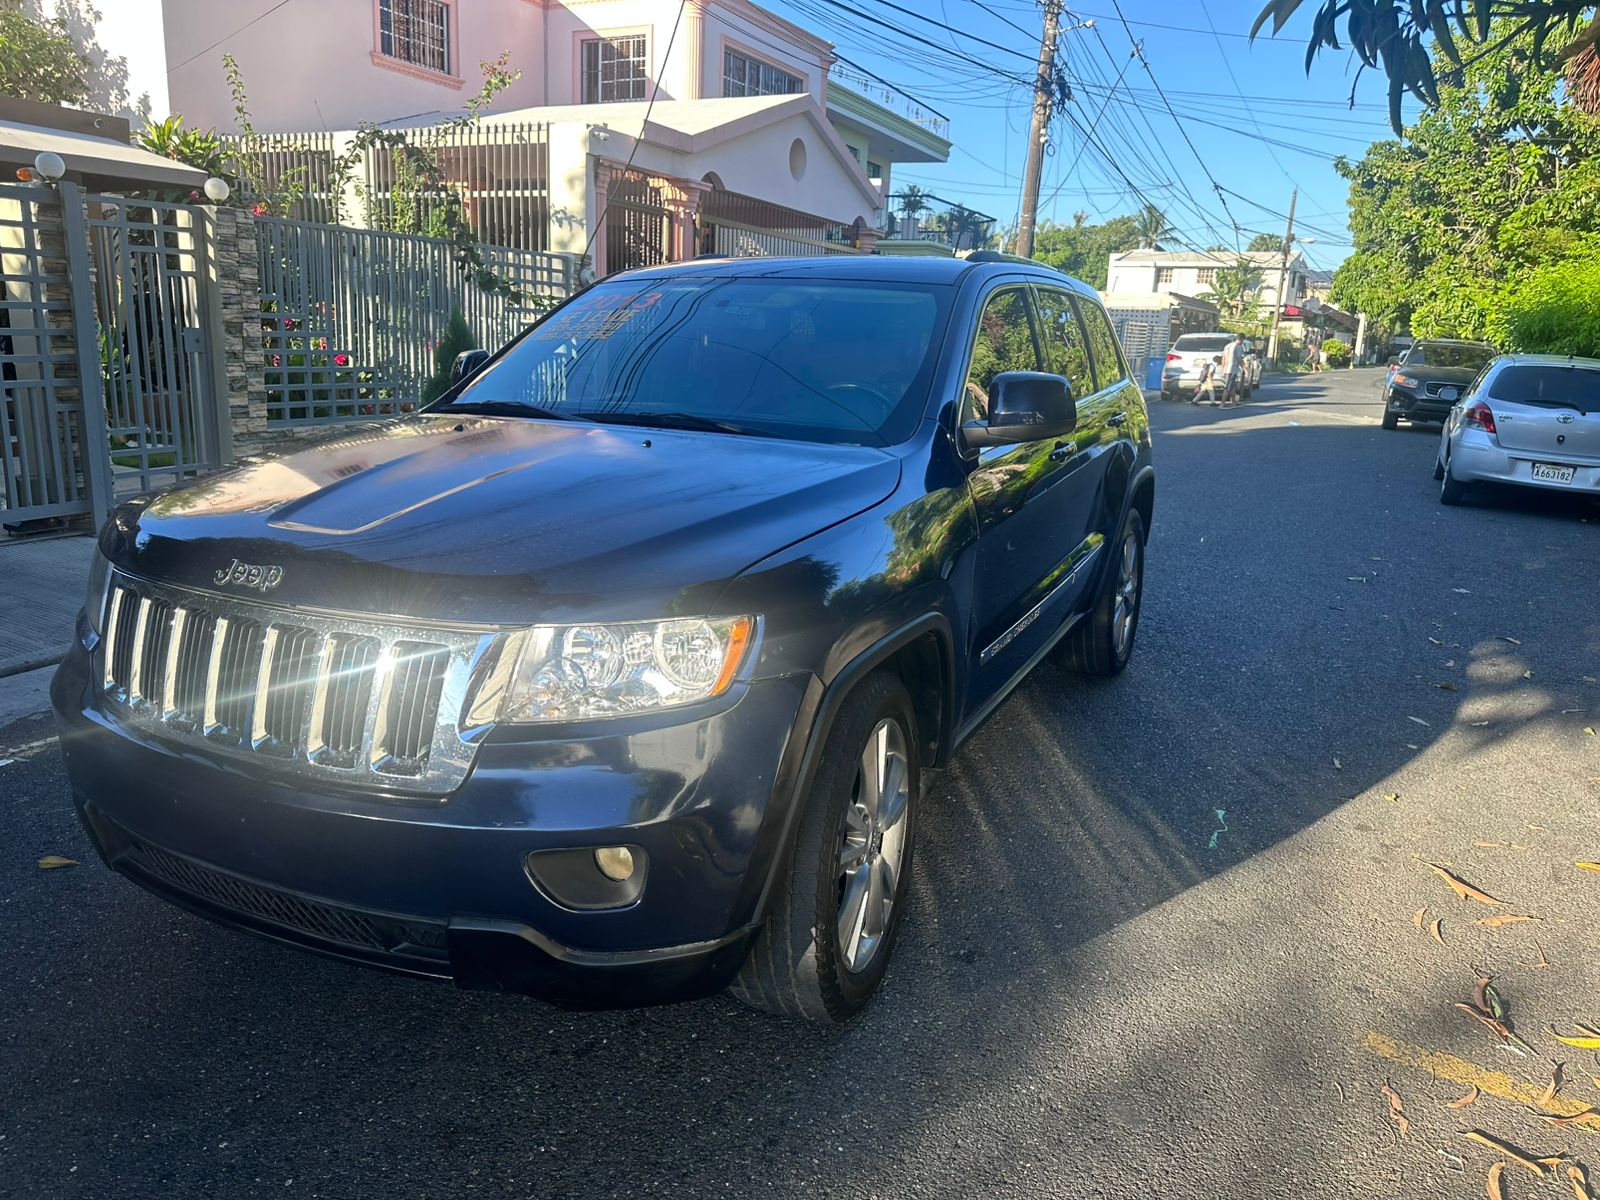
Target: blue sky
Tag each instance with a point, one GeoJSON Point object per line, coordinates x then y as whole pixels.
{"type": "Point", "coordinates": [1258, 124]}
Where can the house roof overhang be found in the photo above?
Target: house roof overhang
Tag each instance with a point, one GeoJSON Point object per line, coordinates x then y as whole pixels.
{"type": "Point", "coordinates": [95, 161]}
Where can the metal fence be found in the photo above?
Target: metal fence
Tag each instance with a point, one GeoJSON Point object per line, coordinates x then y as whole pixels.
{"type": "Point", "coordinates": [351, 318]}
{"type": "Point", "coordinates": [500, 171]}
{"type": "Point", "coordinates": [279, 162]}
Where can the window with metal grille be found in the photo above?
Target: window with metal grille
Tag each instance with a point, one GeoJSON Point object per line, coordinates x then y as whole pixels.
{"type": "Point", "coordinates": [746, 76]}
{"type": "Point", "coordinates": [1163, 276]}
{"type": "Point", "coordinates": [415, 32]}
{"type": "Point", "coordinates": [1206, 275]}
{"type": "Point", "coordinates": [614, 69]}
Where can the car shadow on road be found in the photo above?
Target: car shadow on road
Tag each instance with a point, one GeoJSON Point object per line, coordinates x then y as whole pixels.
{"type": "Point", "coordinates": [1287, 659]}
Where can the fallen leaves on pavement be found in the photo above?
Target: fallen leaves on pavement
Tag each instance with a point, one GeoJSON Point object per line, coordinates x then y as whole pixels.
{"type": "Point", "coordinates": [1470, 1098]}
{"type": "Point", "coordinates": [1417, 917]}
{"type": "Point", "coordinates": [1522, 1158]}
{"type": "Point", "coordinates": [1585, 1039]}
{"type": "Point", "coordinates": [1496, 1192]}
{"type": "Point", "coordinates": [1461, 887]}
{"type": "Point", "coordinates": [1506, 919]}
{"type": "Point", "coordinates": [1580, 1182]}
{"type": "Point", "coordinates": [1556, 1081]}
{"type": "Point", "coordinates": [1543, 961]}
{"type": "Point", "coordinates": [1397, 1107]}
{"type": "Point", "coordinates": [1437, 929]}
{"type": "Point", "coordinates": [50, 861]}
{"type": "Point", "coordinates": [1588, 866]}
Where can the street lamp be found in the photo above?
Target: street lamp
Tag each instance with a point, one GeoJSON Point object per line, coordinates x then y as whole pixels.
{"type": "Point", "coordinates": [49, 166]}
{"type": "Point", "coordinates": [216, 190]}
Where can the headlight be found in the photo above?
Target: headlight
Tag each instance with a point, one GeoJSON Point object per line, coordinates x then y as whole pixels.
{"type": "Point", "coordinates": [94, 601]}
{"type": "Point", "coordinates": [578, 672]}
{"type": "Point", "coordinates": [1406, 381]}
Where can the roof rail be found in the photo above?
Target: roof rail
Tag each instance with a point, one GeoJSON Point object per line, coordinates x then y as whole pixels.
{"type": "Point", "coordinates": [983, 256]}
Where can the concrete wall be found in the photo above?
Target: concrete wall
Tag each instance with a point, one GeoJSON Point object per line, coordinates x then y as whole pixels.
{"type": "Point", "coordinates": [336, 48]}
{"type": "Point", "coordinates": [318, 66]}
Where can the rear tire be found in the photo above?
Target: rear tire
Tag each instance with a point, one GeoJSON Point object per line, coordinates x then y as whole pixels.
{"type": "Point", "coordinates": [1450, 491]}
{"type": "Point", "coordinates": [1102, 641]}
{"type": "Point", "coordinates": [831, 927]}
{"type": "Point", "coordinates": [1438, 468]}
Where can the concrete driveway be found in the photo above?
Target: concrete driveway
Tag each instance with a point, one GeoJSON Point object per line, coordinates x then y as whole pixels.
{"type": "Point", "coordinates": [1162, 938]}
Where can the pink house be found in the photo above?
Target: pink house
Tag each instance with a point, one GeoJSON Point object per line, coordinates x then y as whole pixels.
{"type": "Point", "coordinates": [693, 126]}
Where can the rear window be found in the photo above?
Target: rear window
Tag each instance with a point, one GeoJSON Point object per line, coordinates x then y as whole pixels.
{"type": "Point", "coordinates": [1443, 354]}
{"type": "Point", "coordinates": [1550, 386]}
{"type": "Point", "coordinates": [1196, 342]}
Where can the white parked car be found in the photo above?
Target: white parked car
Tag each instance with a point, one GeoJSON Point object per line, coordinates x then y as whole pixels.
{"type": "Point", "coordinates": [1532, 420]}
{"type": "Point", "coordinates": [1181, 376]}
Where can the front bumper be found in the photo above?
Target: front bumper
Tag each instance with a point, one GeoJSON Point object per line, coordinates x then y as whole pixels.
{"type": "Point", "coordinates": [441, 888]}
{"type": "Point", "coordinates": [1412, 406]}
{"type": "Point", "coordinates": [1475, 458]}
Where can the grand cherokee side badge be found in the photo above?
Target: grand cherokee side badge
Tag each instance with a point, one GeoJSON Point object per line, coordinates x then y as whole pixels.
{"type": "Point", "coordinates": [250, 575]}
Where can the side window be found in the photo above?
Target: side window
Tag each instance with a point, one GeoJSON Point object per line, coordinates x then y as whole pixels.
{"type": "Point", "coordinates": [1108, 365]}
{"type": "Point", "coordinates": [1066, 350]}
{"type": "Point", "coordinates": [1004, 342]}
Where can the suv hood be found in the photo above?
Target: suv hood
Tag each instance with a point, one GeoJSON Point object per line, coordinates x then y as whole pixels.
{"type": "Point", "coordinates": [502, 520]}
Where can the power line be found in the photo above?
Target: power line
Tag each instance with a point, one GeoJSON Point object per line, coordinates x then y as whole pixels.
{"type": "Point", "coordinates": [234, 34]}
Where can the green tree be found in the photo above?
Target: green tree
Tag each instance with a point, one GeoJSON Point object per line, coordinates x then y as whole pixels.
{"type": "Point", "coordinates": [1410, 39]}
{"type": "Point", "coordinates": [913, 202]}
{"type": "Point", "coordinates": [38, 60]}
{"type": "Point", "coordinates": [1265, 241]}
{"type": "Point", "coordinates": [457, 339]}
{"type": "Point", "coordinates": [1081, 249]}
{"type": "Point", "coordinates": [1499, 180]}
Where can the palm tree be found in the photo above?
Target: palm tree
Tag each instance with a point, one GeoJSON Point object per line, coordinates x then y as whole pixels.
{"type": "Point", "coordinates": [962, 225]}
{"type": "Point", "coordinates": [913, 202]}
{"type": "Point", "coordinates": [1233, 289]}
{"type": "Point", "coordinates": [1151, 225]}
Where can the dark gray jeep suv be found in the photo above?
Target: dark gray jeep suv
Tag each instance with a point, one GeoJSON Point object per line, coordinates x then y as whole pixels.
{"type": "Point", "coordinates": [615, 676]}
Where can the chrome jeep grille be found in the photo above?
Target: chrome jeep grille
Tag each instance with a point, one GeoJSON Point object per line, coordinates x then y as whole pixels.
{"type": "Point", "coordinates": [326, 695]}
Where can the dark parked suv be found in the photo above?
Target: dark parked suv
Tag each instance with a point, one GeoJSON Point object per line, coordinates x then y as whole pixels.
{"type": "Point", "coordinates": [616, 675]}
{"type": "Point", "coordinates": [1426, 381]}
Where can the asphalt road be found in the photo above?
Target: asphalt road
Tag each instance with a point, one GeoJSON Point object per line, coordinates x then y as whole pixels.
{"type": "Point", "coordinates": [1161, 939]}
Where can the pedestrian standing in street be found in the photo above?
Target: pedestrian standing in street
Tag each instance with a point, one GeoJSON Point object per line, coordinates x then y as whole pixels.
{"type": "Point", "coordinates": [1233, 371]}
{"type": "Point", "coordinates": [1206, 390]}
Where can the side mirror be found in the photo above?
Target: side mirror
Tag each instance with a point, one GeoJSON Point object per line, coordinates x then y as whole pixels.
{"type": "Point", "coordinates": [1024, 406]}
{"type": "Point", "coordinates": [468, 363]}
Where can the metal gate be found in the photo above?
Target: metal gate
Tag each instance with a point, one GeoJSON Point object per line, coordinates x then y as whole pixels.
{"type": "Point", "coordinates": [106, 379]}
{"type": "Point", "coordinates": [42, 426]}
{"type": "Point", "coordinates": [148, 261]}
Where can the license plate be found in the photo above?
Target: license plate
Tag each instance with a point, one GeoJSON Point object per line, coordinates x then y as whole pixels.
{"type": "Point", "coordinates": [1448, 393]}
{"type": "Point", "coordinates": [1550, 473]}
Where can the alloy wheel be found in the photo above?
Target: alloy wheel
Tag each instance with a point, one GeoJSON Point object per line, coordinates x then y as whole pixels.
{"type": "Point", "coordinates": [1126, 606]}
{"type": "Point", "coordinates": [873, 845]}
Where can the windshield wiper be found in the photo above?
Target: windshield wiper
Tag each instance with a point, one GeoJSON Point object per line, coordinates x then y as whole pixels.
{"type": "Point", "coordinates": [510, 408]}
{"type": "Point", "coordinates": [676, 420]}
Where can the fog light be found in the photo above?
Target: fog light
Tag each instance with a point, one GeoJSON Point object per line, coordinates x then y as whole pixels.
{"type": "Point", "coordinates": [615, 862]}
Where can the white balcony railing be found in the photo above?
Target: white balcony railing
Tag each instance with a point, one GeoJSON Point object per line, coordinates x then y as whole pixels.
{"type": "Point", "coordinates": [891, 98]}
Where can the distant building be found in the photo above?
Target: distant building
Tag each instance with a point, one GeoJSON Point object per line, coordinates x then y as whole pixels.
{"type": "Point", "coordinates": [1194, 272]}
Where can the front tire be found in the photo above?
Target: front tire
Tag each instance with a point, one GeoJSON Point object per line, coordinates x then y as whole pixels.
{"type": "Point", "coordinates": [831, 928]}
{"type": "Point", "coordinates": [1390, 421]}
{"type": "Point", "coordinates": [1102, 642]}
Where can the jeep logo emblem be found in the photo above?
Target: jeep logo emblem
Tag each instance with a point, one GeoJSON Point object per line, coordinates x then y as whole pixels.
{"type": "Point", "coordinates": [250, 575]}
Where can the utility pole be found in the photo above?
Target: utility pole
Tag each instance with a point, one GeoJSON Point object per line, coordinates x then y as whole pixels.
{"type": "Point", "coordinates": [1039, 132]}
{"type": "Point", "coordinates": [1283, 276]}
{"type": "Point", "coordinates": [1361, 340]}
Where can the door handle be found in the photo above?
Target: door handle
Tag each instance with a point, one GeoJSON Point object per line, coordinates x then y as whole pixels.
{"type": "Point", "coordinates": [1116, 418]}
{"type": "Point", "coordinates": [1064, 451]}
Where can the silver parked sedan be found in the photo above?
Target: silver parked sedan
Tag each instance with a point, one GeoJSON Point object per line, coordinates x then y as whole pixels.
{"type": "Point", "coordinates": [1531, 420]}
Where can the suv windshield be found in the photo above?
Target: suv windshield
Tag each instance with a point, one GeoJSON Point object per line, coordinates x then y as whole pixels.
{"type": "Point", "coordinates": [817, 360]}
{"type": "Point", "coordinates": [1203, 341]}
{"type": "Point", "coordinates": [1549, 386]}
{"type": "Point", "coordinates": [1444, 354]}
